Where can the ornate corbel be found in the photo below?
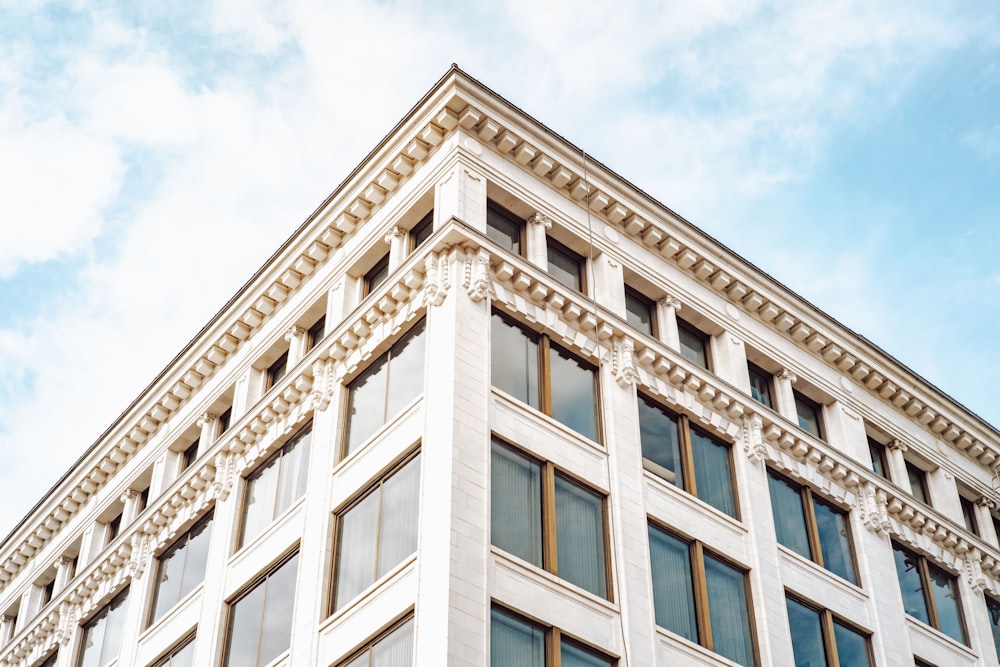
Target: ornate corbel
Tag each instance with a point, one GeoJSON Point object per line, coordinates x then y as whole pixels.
{"type": "Point", "coordinates": [477, 274]}
{"type": "Point", "coordinates": [753, 440]}
{"type": "Point", "coordinates": [872, 503]}
{"type": "Point", "coordinates": [323, 385]}
{"type": "Point", "coordinates": [225, 473]}
{"type": "Point", "coordinates": [974, 570]}
{"type": "Point", "coordinates": [623, 361]}
{"type": "Point", "coordinates": [141, 549]}
{"type": "Point", "coordinates": [436, 281]}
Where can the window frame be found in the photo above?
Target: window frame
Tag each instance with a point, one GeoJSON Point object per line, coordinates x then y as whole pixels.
{"type": "Point", "coordinates": [370, 643]}
{"type": "Point", "coordinates": [552, 246]}
{"type": "Point", "coordinates": [174, 651]}
{"type": "Point", "coordinates": [697, 551]}
{"type": "Point", "coordinates": [245, 592]}
{"type": "Point", "coordinates": [545, 350]}
{"type": "Point", "coordinates": [683, 326]}
{"type": "Point", "coordinates": [118, 601]}
{"type": "Point", "coordinates": [926, 586]}
{"type": "Point", "coordinates": [204, 523]}
{"type": "Point", "coordinates": [970, 517]}
{"type": "Point", "coordinates": [316, 332]}
{"type": "Point", "coordinates": [495, 210]}
{"type": "Point", "coordinates": [275, 371]}
{"type": "Point", "coordinates": [879, 455]}
{"type": "Point", "coordinates": [808, 500]}
{"type": "Point", "coordinates": [755, 371]}
{"type": "Point", "coordinates": [636, 297]}
{"type": "Point", "coordinates": [801, 400]}
{"type": "Point", "coordinates": [687, 457]}
{"type": "Point", "coordinates": [372, 279]}
{"type": "Point", "coordinates": [421, 231]}
{"type": "Point", "coordinates": [548, 473]}
{"type": "Point", "coordinates": [553, 638]}
{"type": "Point", "coordinates": [915, 472]}
{"type": "Point", "coordinates": [828, 621]}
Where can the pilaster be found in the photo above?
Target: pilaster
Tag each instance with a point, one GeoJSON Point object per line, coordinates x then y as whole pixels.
{"type": "Point", "coordinates": [666, 321]}
{"type": "Point", "coordinates": [894, 451]}
{"type": "Point", "coordinates": [298, 343]}
{"type": "Point", "coordinates": [608, 284]}
{"type": "Point", "coordinates": [729, 360]}
{"type": "Point", "coordinates": [784, 397]}
{"type": "Point", "coordinates": [536, 239]}
{"type": "Point", "coordinates": [396, 239]}
{"type": "Point", "coordinates": [461, 194]}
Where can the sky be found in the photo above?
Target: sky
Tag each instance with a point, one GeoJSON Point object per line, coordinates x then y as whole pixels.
{"type": "Point", "coordinates": [153, 155]}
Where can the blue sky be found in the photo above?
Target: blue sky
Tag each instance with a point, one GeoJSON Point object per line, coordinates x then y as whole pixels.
{"type": "Point", "coordinates": [153, 155]}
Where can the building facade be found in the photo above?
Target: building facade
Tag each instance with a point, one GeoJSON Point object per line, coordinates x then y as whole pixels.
{"type": "Point", "coordinates": [492, 405]}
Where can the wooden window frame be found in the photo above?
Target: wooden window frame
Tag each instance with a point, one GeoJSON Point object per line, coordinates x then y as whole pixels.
{"type": "Point", "coordinates": [827, 620]}
{"type": "Point", "coordinates": [552, 245]}
{"type": "Point", "coordinates": [316, 332]}
{"type": "Point", "coordinates": [510, 216]}
{"type": "Point", "coordinates": [809, 500]}
{"type": "Point", "coordinates": [553, 638]}
{"type": "Point", "coordinates": [706, 340]}
{"type": "Point", "coordinates": [122, 599]}
{"type": "Point", "coordinates": [817, 408]}
{"type": "Point", "coordinates": [699, 585]}
{"type": "Point", "coordinates": [170, 653]}
{"type": "Point", "coordinates": [921, 476]}
{"type": "Point", "coordinates": [970, 518]}
{"type": "Point", "coordinates": [425, 223]}
{"type": "Point", "coordinates": [687, 466]}
{"type": "Point", "coordinates": [755, 370]}
{"type": "Point", "coordinates": [244, 591]}
{"type": "Point", "coordinates": [370, 643]}
{"type": "Point", "coordinates": [933, 619]}
{"type": "Point", "coordinates": [876, 450]}
{"type": "Point", "coordinates": [550, 538]}
{"type": "Point", "coordinates": [370, 275]}
{"type": "Point", "coordinates": [545, 376]}
{"type": "Point", "coordinates": [648, 304]}
{"type": "Point", "coordinates": [175, 546]}
{"type": "Point", "coordinates": [277, 370]}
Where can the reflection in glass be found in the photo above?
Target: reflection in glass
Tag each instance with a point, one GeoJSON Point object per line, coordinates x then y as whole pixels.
{"type": "Point", "coordinates": [944, 588]}
{"type": "Point", "coordinates": [673, 588]}
{"type": "Point", "coordinates": [712, 472]}
{"type": "Point", "coordinates": [275, 486]}
{"type": "Point", "coordinates": [181, 568]}
{"type": "Point", "coordinates": [514, 643]}
{"type": "Point", "coordinates": [907, 570]}
{"type": "Point", "coordinates": [852, 648]}
{"type": "Point", "coordinates": [727, 606]}
{"type": "Point", "coordinates": [580, 536]}
{"type": "Point", "coordinates": [514, 355]}
{"type": "Point", "coordinates": [260, 622]}
{"type": "Point", "coordinates": [660, 438]}
{"type": "Point", "coordinates": [789, 520]}
{"type": "Point", "coordinates": [807, 635]}
{"type": "Point", "coordinates": [574, 392]}
{"type": "Point", "coordinates": [516, 505]}
{"type": "Point", "coordinates": [834, 541]}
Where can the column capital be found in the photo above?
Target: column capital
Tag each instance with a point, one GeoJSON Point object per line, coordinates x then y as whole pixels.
{"type": "Point", "coordinates": [670, 301]}
{"type": "Point", "coordinates": [897, 445]}
{"type": "Point", "coordinates": [129, 494]}
{"type": "Point", "coordinates": [540, 219]}
{"type": "Point", "coordinates": [394, 233]}
{"type": "Point", "coordinates": [206, 418]}
{"type": "Point", "coordinates": [987, 502]}
{"type": "Point", "coordinates": [787, 374]}
{"type": "Point", "coordinates": [293, 331]}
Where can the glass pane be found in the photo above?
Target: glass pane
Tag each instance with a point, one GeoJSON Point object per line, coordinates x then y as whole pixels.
{"type": "Point", "coordinates": [406, 370]}
{"type": "Point", "coordinates": [834, 540]}
{"type": "Point", "coordinates": [357, 537]}
{"type": "Point", "coordinates": [395, 649]}
{"type": "Point", "coordinates": [514, 643]}
{"type": "Point", "coordinates": [908, 573]}
{"type": "Point", "coordinates": [580, 537]}
{"type": "Point", "coordinates": [293, 467]}
{"type": "Point", "coordinates": [423, 230]}
{"type": "Point", "coordinates": [789, 519]}
{"type": "Point", "coordinates": [363, 660]}
{"type": "Point", "coordinates": [514, 366]}
{"type": "Point", "coordinates": [244, 628]}
{"type": "Point", "coordinates": [693, 346]}
{"type": "Point", "coordinates": [659, 435]}
{"type": "Point", "coordinates": [727, 609]}
{"type": "Point", "coordinates": [639, 312]}
{"type": "Point", "coordinates": [516, 505]}
{"type": "Point", "coordinates": [852, 648]}
{"type": "Point", "coordinates": [969, 515]}
{"type": "Point", "coordinates": [564, 265]}
{"type": "Point", "coordinates": [258, 500]}
{"type": "Point", "coordinates": [574, 393]}
{"type": "Point", "coordinates": [377, 275]}
{"type": "Point", "coordinates": [673, 589]}
{"type": "Point", "coordinates": [366, 403]}
{"type": "Point", "coordinates": [877, 453]}
{"type": "Point", "coordinates": [169, 577]}
{"type": "Point", "coordinates": [918, 482]}
{"type": "Point", "coordinates": [760, 386]}
{"type": "Point", "coordinates": [808, 415]}
{"type": "Point", "coordinates": [712, 472]}
{"type": "Point", "coordinates": [113, 629]}
{"type": "Point", "coordinates": [504, 229]}
{"type": "Point", "coordinates": [399, 516]}
{"type": "Point", "coordinates": [276, 631]}
{"type": "Point", "coordinates": [572, 656]}
{"type": "Point", "coordinates": [93, 641]}
{"type": "Point", "coordinates": [944, 588]}
{"type": "Point", "coordinates": [993, 608]}
{"type": "Point", "coordinates": [807, 635]}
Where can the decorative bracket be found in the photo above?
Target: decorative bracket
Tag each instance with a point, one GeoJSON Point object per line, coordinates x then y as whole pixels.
{"type": "Point", "coordinates": [623, 361]}
{"type": "Point", "coordinates": [753, 441]}
{"type": "Point", "coordinates": [436, 281]}
{"type": "Point", "coordinates": [477, 274]}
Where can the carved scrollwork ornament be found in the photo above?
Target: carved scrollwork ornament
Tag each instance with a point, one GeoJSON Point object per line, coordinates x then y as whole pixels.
{"type": "Point", "coordinates": [974, 570]}
{"type": "Point", "coordinates": [477, 275]}
{"type": "Point", "coordinates": [323, 385]}
{"type": "Point", "coordinates": [897, 445]}
{"type": "Point", "coordinates": [623, 361]}
{"type": "Point", "coordinates": [141, 550]}
{"type": "Point", "coordinates": [670, 302]}
{"type": "Point", "coordinates": [753, 440]}
{"type": "Point", "coordinates": [873, 504]}
{"type": "Point", "coordinates": [293, 331]}
{"type": "Point", "coordinates": [786, 374]}
{"type": "Point", "coordinates": [540, 219]}
{"type": "Point", "coordinates": [436, 280]}
{"type": "Point", "coordinates": [225, 472]}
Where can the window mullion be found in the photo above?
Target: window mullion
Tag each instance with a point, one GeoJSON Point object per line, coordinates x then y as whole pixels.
{"type": "Point", "coordinates": [550, 553]}
{"type": "Point", "coordinates": [555, 647]}
{"type": "Point", "coordinates": [829, 639]}
{"type": "Point", "coordinates": [700, 581]}
{"type": "Point", "coordinates": [687, 455]}
{"type": "Point", "coordinates": [812, 529]}
{"type": "Point", "coordinates": [544, 382]}
{"type": "Point", "coordinates": [925, 582]}
{"type": "Point", "coordinates": [263, 612]}
{"type": "Point", "coordinates": [378, 530]}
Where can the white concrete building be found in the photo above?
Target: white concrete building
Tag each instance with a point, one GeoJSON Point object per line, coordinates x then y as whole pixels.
{"type": "Point", "coordinates": [492, 405]}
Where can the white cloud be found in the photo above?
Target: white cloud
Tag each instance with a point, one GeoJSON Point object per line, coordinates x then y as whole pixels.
{"type": "Point", "coordinates": [984, 141]}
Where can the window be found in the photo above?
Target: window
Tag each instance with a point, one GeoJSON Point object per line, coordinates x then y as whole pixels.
{"type": "Point", "coordinates": [50, 661]}
{"type": "Point", "coordinates": [808, 413]}
{"type": "Point", "coordinates": [377, 532]}
{"type": "Point", "coordinates": [564, 265]}
{"type": "Point", "coordinates": [143, 501]}
{"type": "Point", "coordinates": [316, 332]}
{"type": "Point", "coordinates": [181, 656]}
{"type": "Point", "coordinates": [275, 486]}
{"type": "Point", "coordinates": [276, 371]}
{"type": "Point", "coordinates": [929, 593]}
{"type": "Point", "coordinates": [880, 465]}
{"type": "Point", "coordinates": [694, 344]}
{"type": "Point", "coordinates": [181, 568]}
{"type": "Point", "coordinates": [48, 589]}
{"type": "Point", "coordinates": [542, 516]}
{"type": "Point", "coordinates": [393, 648]}
{"type": "Point", "coordinates": [918, 483]}
{"type": "Point", "coordinates": [700, 597]}
{"type": "Point", "coordinates": [114, 527]}
{"type": "Point", "coordinates": [422, 231]}
{"type": "Point", "coordinates": [820, 638]}
{"type": "Point", "coordinates": [639, 311]}
{"type": "Point", "coordinates": [515, 642]}
{"type": "Point", "coordinates": [504, 228]}
{"type": "Point", "coordinates": [102, 634]}
{"type": "Point", "coordinates": [376, 275]}
{"type": "Point", "coordinates": [993, 609]}
{"type": "Point", "coordinates": [686, 456]}
{"type": "Point", "coordinates": [969, 515]}
{"type": "Point", "coordinates": [260, 620]}
{"type": "Point", "coordinates": [811, 527]}
{"type": "Point", "coordinates": [386, 387]}
{"type": "Point", "coordinates": [189, 455]}
{"type": "Point", "coordinates": [534, 370]}
{"type": "Point", "coordinates": [225, 419]}
{"type": "Point", "coordinates": [760, 385]}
